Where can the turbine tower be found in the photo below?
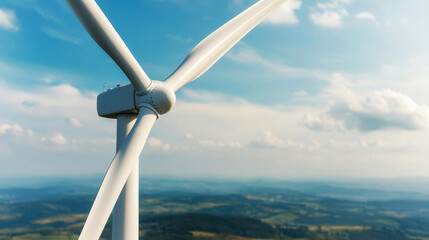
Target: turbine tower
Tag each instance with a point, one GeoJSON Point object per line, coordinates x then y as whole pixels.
{"type": "Point", "coordinates": [137, 106]}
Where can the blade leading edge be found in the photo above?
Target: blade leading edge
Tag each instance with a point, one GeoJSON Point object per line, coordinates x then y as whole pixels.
{"type": "Point", "coordinates": [212, 48]}
{"type": "Point", "coordinates": [117, 175]}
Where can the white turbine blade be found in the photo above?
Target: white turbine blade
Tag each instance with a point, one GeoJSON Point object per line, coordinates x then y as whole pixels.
{"type": "Point", "coordinates": [102, 31]}
{"type": "Point", "coordinates": [117, 175]}
{"type": "Point", "coordinates": [212, 48]}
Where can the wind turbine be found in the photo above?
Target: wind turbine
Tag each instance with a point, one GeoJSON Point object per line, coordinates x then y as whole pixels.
{"type": "Point", "coordinates": [137, 106]}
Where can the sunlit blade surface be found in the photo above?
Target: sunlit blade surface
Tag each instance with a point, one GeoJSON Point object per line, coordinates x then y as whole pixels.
{"type": "Point", "coordinates": [117, 175]}
{"type": "Point", "coordinates": [100, 29]}
{"type": "Point", "coordinates": [212, 48]}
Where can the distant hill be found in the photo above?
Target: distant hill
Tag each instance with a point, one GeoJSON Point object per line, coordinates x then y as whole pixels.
{"type": "Point", "coordinates": [359, 190]}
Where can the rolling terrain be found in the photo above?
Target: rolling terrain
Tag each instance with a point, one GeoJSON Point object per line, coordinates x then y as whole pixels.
{"type": "Point", "coordinates": [186, 210]}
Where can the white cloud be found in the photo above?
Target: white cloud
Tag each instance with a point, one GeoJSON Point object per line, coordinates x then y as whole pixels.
{"type": "Point", "coordinates": [66, 90]}
{"type": "Point", "coordinates": [218, 144]}
{"type": "Point", "coordinates": [58, 139]}
{"type": "Point", "coordinates": [62, 109]}
{"type": "Point", "coordinates": [382, 110]}
{"type": "Point", "coordinates": [48, 79]}
{"type": "Point", "coordinates": [367, 111]}
{"type": "Point", "coordinates": [103, 141]}
{"type": "Point", "coordinates": [367, 16]}
{"type": "Point", "coordinates": [364, 145]}
{"type": "Point", "coordinates": [30, 133]}
{"type": "Point", "coordinates": [248, 56]}
{"type": "Point", "coordinates": [301, 93]}
{"type": "Point", "coordinates": [207, 96]}
{"type": "Point", "coordinates": [227, 121]}
{"type": "Point", "coordinates": [61, 36]}
{"type": "Point", "coordinates": [268, 140]}
{"type": "Point", "coordinates": [16, 135]}
{"type": "Point", "coordinates": [332, 4]}
{"type": "Point", "coordinates": [158, 143]}
{"type": "Point", "coordinates": [8, 19]}
{"type": "Point", "coordinates": [14, 129]}
{"type": "Point", "coordinates": [286, 13]}
{"type": "Point", "coordinates": [75, 122]}
{"type": "Point", "coordinates": [330, 14]}
{"type": "Point", "coordinates": [179, 38]}
{"type": "Point", "coordinates": [327, 19]}
{"type": "Point", "coordinates": [323, 123]}
{"type": "Point", "coordinates": [213, 143]}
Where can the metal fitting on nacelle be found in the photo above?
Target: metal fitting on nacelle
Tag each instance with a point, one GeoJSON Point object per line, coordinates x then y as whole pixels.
{"type": "Point", "coordinates": [159, 97]}
{"type": "Point", "coordinates": [124, 100]}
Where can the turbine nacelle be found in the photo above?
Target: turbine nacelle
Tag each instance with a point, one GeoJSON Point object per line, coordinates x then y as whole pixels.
{"type": "Point", "coordinates": [125, 100]}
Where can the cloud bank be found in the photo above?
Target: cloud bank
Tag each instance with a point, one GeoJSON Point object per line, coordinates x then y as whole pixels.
{"type": "Point", "coordinates": [286, 13]}
{"type": "Point", "coordinates": [368, 111]}
{"type": "Point", "coordinates": [330, 14]}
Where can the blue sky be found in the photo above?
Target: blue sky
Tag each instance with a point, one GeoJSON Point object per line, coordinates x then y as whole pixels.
{"type": "Point", "coordinates": [328, 88]}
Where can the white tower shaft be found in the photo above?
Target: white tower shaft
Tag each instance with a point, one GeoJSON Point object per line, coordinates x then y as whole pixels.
{"type": "Point", "coordinates": [125, 216]}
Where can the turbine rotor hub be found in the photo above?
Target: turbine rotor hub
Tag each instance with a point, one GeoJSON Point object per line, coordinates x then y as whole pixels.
{"type": "Point", "coordinates": [159, 98]}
